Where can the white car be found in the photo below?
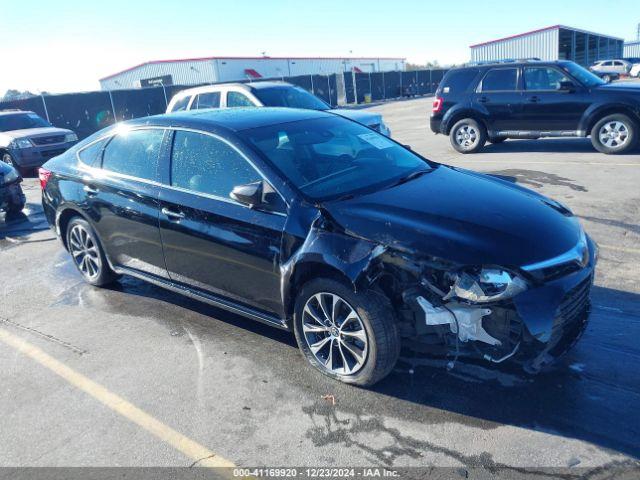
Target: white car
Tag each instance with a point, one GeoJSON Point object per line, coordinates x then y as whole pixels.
{"type": "Point", "coordinates": [618, 66]}
{"type": "Point", "coordinates": [635, 70]}
{"type": "Point", "coordinates": [266, 94]}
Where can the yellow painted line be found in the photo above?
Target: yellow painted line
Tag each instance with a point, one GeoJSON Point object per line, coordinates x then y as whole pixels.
{"type": "Point", "coordinates": [620, 249]}
{"type": "Point", "coordinates": [190, 448]}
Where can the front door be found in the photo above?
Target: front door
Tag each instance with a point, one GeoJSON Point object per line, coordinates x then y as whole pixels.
{"type": "Point", "coordinates": [212, 242]}
{"type": "Point", "coordinates": [546, 106]}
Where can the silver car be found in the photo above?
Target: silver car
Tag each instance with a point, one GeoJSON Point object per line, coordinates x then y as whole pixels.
{"type": "Point", "coordinates": [266, 94]}
{"type": "Point", "coordinates": [616, 66]}
{"type": "Point", "coordinates": [28, 140]}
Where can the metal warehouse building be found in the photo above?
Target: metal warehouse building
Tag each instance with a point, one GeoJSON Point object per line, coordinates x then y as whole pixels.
{"type": "Point", "coordinates": [632, 49]}
{"type": "Point", "coordinates": [551, 43]}
{"type": "Point", "coordinates": [197, 71]}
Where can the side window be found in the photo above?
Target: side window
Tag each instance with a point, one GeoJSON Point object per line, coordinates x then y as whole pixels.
{"type": "Point", "coordinates": [135, 153]}
{"type": "Point", "coordinates": [90, 155]}
{"type": "Point", "coordinates": [206, 100]}
{"type": "Point", "coordinates": [202, 163]}
{"type": "Point", "coordinates": [500, 80]}
{"type": "Point", "coordinates": [543, 78]}
{"type": "Point", "coordinates": [181, 104]}
{"type": "Point", "coordinates": [237, 99]}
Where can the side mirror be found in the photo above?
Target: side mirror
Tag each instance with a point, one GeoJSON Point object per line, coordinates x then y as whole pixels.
{"type": "Point", "coordinates": [567, 86]}
{"type": "Point", "coordinates": [249, 194]}
{"type": "Point", "coordinates": [408, 147]}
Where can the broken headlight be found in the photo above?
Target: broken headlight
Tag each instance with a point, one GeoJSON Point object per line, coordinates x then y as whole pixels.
{"type": "Point", "coordinates": [485, 285]}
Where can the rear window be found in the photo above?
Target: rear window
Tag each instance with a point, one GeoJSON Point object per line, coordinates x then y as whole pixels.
{"type": "Point", "coordinates": [458, 81]}
{"type": "Point", "coordinates": [500, 80]}
{"type": "Point", "coordinates": [181, 104]}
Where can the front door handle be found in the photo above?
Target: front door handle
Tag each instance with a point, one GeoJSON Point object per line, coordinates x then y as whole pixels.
{"type": "Point", "coordinates": [171, 215]}
{"type": "Point", "coordinates": [534, 99]}
{"type": "Point", "coordinates": [91, 191]}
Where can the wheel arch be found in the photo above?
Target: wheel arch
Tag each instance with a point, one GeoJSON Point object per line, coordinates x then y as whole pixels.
{"type": "Point", "coordinates": [596, 114]}
{"type": "Point", "coordinates": [63, 216]}
{"type": "Point", "coordinates": [306, 271]}
{"type": "Point", "coordinates": [460, 114]}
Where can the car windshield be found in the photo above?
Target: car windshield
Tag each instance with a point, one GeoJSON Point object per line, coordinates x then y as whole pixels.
{"type": "Point", "coordinates": [330, 158]}
{"type": "Point", "coordinates": [585, 77]}
{"type": "Point", "coordinates": [293, 97]}
{"type": "Point", "coordinates": [21, 121]}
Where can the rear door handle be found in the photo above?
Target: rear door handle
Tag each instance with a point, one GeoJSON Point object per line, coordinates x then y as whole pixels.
{"type": "Point", "coordinates": [171, 215]}
{"type": "Point", "coordinates": [534, 99]}
{"type": "Point", "coordinates": [91, 191]}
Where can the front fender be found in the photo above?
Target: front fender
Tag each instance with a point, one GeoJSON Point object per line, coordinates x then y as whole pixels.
{"type": "Point", "coordinates": [327, 252]}
{"type": "Point", "coordinates": [600, 109]}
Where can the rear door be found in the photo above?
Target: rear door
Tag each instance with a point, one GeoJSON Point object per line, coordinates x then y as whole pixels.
{"type": "Point", "coordinates": [123, 198]}
{"type": "Point", "coordinates": [211, 242]}
{"type": "Point", "coordinates": [548, 108]}
{"type": "Point", "coordinates": [498, 95]}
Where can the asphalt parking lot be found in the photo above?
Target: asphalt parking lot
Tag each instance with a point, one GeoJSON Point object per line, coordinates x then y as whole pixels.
{"type": "Point", "coordinates": [137, 376]}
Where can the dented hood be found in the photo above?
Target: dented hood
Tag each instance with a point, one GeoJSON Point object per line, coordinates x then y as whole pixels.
{"type": "Point", "coordinates": [463, 217]}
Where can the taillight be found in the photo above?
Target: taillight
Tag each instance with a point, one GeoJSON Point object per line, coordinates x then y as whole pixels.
{"type": "Point", "coordinates": [437, 105]}
{"type": "Point", "coordinates": [43, 175]}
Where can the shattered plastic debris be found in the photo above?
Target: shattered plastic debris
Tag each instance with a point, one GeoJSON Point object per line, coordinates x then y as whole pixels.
{"type": "Point", "coordinates": [329, 398]}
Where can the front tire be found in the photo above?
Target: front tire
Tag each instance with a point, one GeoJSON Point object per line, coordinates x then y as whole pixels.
{"type": "Point", "coordinates": [468, 136]}
{"type": "Point", "coordinates": [348, 336]}
{"type": "Point", "coordinates": [87, 253]}
{"type": "Point", "coordinates": [614, 134]}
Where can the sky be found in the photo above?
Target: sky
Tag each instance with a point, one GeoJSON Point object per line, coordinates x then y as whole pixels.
{"type": "Point", "coordinates": [69, 45]}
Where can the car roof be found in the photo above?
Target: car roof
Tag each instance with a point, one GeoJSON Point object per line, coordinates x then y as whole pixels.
{"type": "Point", "coordinates": [516, 63]}
{"type": "Point", "coordinates": [221, 86]}
{"type": "Point", "coordinates": [232, 119]}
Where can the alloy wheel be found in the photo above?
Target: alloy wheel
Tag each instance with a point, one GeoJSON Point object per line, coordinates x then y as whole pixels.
{"type": "Point", "coordinates": [613, 134]}
{"type": "Point", "coordinates": [334, 333]}
{"type": "Point", "coordinates": [467, 136]}
{"type": "Point", "coordinates": [85, 252]}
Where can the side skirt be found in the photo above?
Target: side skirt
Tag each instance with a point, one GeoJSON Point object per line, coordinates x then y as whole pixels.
{"type": "Point", "coordinates": [216, 301]}
{"type": "Point", "coordinates": [533, 134]}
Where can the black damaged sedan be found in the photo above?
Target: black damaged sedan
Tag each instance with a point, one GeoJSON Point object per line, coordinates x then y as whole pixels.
{"type": "Point", "coordinates": [313, 223]}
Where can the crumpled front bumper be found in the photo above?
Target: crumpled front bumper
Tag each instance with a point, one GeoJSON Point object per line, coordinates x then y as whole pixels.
{"type": "Point", "coordinates": [555, 314]}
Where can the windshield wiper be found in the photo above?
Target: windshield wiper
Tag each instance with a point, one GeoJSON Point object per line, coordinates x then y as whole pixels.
{"type": "Point", "coordinates": [411, 176]}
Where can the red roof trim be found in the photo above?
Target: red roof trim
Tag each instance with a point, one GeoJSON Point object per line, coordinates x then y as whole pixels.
{"type": "Point", "coordinates": [202, 59]}
{"type": "Point", "coordinates": [516, 36]}
{"type": "Point", "coordinates": [554, 27]}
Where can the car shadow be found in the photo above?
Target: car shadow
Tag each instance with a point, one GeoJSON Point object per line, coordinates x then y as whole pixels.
{"type": "Point", "coordinates": [593, 393]}
{"type": "Point", "coordinates": [16, 227]}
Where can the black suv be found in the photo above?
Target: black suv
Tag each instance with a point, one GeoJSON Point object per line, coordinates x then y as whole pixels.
{"type": "Point", "coordinates": [476, 104]}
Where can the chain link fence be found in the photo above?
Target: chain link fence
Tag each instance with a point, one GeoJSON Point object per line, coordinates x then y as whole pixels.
{"type": "Point", "coordinates": [86, 113]}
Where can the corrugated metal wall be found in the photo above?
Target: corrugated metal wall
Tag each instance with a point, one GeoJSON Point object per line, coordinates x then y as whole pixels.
{"type": "Point", "coordinates": [632, 49]}
{"type": "Point", "coordinates": [542, 44]}
{"type": "Point", "coordinates": [183, 73]}
{"type": "Point", "coordinates": [195, 72]}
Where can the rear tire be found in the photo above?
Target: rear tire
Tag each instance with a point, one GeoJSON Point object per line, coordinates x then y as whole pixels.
{"type": "Point", "coordinates": [614, 134]}
{"type": "Point", "coordinates": [468, 136]}
{"type": "Point", "coordinates": [349, 336]}
{"type": "Point", "coordinates": [87, 253]}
